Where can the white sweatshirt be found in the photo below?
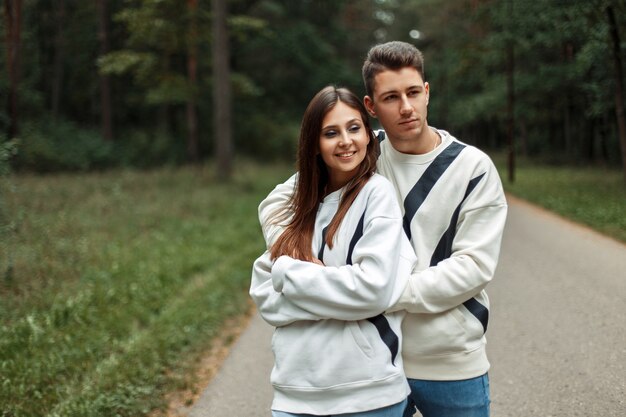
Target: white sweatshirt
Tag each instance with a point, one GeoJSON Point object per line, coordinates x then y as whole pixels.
{"type": "Point", "coordinates": [335, 350]}
{"type": "Point", "coordinates": [454, 212]}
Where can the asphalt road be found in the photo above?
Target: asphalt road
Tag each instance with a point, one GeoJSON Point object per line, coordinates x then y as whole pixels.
{"type": "Point", "coordinates": [556, 338]}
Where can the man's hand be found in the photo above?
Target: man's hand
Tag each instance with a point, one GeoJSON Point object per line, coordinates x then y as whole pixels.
{"type": "Point", "coordinates": [317, 261]}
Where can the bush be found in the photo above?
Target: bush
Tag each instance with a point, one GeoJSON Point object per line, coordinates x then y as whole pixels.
{"type": "Point", "coordinates": [56, 146]}
{"type": "Point", "coordinates": [50, 146]}
{"type": "Point", "coordinates": [144, 149]}
{"type": "Point", "coordinates": [7, 223]}
{"type": "Point", "coordinates": [268, 138]}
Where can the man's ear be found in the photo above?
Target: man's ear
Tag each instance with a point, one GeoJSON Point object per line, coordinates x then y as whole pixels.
{"type": "Point", "coordinates": [427, 89]}
{"type": "Point", "coordinates": [369, 105]}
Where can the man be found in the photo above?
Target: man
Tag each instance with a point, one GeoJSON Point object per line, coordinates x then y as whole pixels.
{"type": "Point", "coordinates": [454, 214]}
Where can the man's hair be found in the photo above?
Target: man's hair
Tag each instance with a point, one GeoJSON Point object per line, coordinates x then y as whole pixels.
{"type": "Point", "coordinates": [393, 56]}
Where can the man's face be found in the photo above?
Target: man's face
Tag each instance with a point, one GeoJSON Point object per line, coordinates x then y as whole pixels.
{"type": "Point", "coordinates": [400, 102]}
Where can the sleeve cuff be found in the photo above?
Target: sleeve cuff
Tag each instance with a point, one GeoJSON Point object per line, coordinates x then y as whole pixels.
{"type": "Point", "coordinates": [405, 300]}
{"type": "Point", "coordinates": [278, 272]}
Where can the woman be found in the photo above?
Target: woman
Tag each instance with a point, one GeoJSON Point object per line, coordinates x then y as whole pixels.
{"type": "Point", "coordinates": [341, 261]}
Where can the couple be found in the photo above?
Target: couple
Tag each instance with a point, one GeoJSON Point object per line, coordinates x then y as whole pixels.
{"type": "Point", "coordinates": [379, 251]}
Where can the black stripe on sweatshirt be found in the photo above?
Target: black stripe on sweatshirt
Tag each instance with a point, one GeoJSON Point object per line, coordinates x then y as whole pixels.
{"type": "Point", "coordinates": [355, 238]}
{"type": "Point", "coordinates": [479, 311]}
{"type": "Point", "coordinates": [387, 335]}
{"type": "Point", "coordinates": [320, 253]}
{"type": "Point", "coordinates": [421, 189]}
{"type": "Point", "coordinates": [444, 251]}
{"type": "Point", "coordinates": [381, 323]}
{"type": "Point", "coordinates": [444, 247]}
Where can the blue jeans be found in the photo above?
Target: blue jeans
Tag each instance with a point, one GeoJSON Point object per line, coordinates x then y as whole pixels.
{"type": "Point", "coordinates": [390, 411]}
{"type": "Point", "coordinates": [467, 398]}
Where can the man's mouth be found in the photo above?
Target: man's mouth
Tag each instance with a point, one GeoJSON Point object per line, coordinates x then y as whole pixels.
{"type": "Point", "coordinates": [404, 122]}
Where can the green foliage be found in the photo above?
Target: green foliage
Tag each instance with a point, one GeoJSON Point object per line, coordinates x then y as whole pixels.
{"type": "Point", "coordinates": [121, 280]}
{"type": "Point", "coordinates": [56, 146]}
{"type": "Point", "coordinates": [49, 146]}
{"type": "Point", "coordinates": [145, 149]}
{"type": "Point", "coordinates": [277, 137]}
{"type": "Point", "coordinates": [120, 62]}
{"type": "Point", "coordinates": [8, 218]}
{"type": "Point", "coordinates": [8, 150]}
{"type": "Point", "coordinates": [283, 51]}
{"type": "Point", "coordinates": [563, 72]}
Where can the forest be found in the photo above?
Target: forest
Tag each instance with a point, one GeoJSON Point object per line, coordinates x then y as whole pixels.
{"type": "Point", "coordinates": [91, 85]}
{"type": "Point", "coordinates": [137, 138]}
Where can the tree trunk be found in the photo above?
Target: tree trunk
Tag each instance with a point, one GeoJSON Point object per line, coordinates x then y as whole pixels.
{"type": "Point", "coordinates": [106, 122]}
{"type": "Point", "coordinates": [13, 18]}
{"type": "Point", "coordinates": [510, 108]}
{"type": "Point", "coordinates": [589, 140]}
{"type": "Point", "coordinates": [619, 86]}
{"type": "Point", "coordinates": [192, 74]}
{"type": "Point", "coordinates": [221, 91]}
{"type": "Point", "coordinates": [510, 123]}
{"type": "Point", "coordinates": [59, 54]}
{"type": "Point", "coordinates": [568, 136]}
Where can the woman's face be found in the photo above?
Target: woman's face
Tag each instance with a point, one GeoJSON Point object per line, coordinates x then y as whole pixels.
{"type": "Point", "coordinates": [343, 144]}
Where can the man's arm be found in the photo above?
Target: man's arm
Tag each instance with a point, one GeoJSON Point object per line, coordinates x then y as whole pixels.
{"type": "Point", "coordinates": [474, 254]}
{"type": "Point", "coordinates": [276, 201]}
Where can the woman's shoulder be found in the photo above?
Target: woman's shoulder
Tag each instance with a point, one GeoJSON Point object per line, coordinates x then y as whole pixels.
{"type": "Point", "coordinates": [380, 194]}
{"type": "Point", "coordinates": [378, 182]}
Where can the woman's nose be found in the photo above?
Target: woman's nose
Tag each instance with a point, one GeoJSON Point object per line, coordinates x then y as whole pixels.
{"type": "Point", "coordinates": [345, 139]}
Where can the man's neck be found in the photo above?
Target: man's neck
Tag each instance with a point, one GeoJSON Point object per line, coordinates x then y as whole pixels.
{"type": "Point", "coordinates": [426, 142]}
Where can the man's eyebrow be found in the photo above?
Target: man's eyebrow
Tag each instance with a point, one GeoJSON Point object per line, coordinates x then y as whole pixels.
{"type": "Point", "coordinates": [411, 87]}
{"type": "Point", "coordinates": [387, 92]}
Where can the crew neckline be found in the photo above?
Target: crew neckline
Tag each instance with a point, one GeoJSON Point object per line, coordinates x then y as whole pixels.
{"type": "Point", "coordinates": [334, 196]}
{"type": "Point", "coordinates": [424, 158]}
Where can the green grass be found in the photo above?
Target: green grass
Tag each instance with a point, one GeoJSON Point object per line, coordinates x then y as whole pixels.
{"type": "Point", "coordinates": [118, 281]}
{"type": "Point", "coordinates": [593, 196]}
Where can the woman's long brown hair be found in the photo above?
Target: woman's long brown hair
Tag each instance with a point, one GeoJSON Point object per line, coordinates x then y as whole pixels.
{"type": "Point", "coordinates": [312, 178]}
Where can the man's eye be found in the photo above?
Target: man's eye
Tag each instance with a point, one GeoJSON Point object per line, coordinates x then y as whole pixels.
{"type": "Point", "coordinates": [389, 97]}
{"type": "Point", "coordinates": [413, 93]}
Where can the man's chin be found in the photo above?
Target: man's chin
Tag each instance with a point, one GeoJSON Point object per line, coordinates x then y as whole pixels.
{"type": "Point", "coordinates": [409, 135]}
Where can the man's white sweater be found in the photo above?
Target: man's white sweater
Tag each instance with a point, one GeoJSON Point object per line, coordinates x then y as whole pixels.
{"type": "Point", "coordinates": [335, 349]}
{"type": "Point", "coordinates": [454, 211]}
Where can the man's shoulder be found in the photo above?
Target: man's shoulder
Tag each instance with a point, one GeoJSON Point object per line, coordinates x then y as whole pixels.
{"type": "Point", "coordinates": [470, 151]}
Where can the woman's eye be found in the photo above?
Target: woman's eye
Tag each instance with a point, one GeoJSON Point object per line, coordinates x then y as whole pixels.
{"type": "Point", "coordinates": [354, 128]}
{"type": "Point", "coordinates": [330, 133]}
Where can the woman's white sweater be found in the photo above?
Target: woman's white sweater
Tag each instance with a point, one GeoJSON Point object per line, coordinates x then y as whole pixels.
{"type": "Point", "coordinates": [335, 349]}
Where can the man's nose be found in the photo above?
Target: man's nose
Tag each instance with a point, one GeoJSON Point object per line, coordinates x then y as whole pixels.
{"type": "Point", "coordinates": [405, 105]}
